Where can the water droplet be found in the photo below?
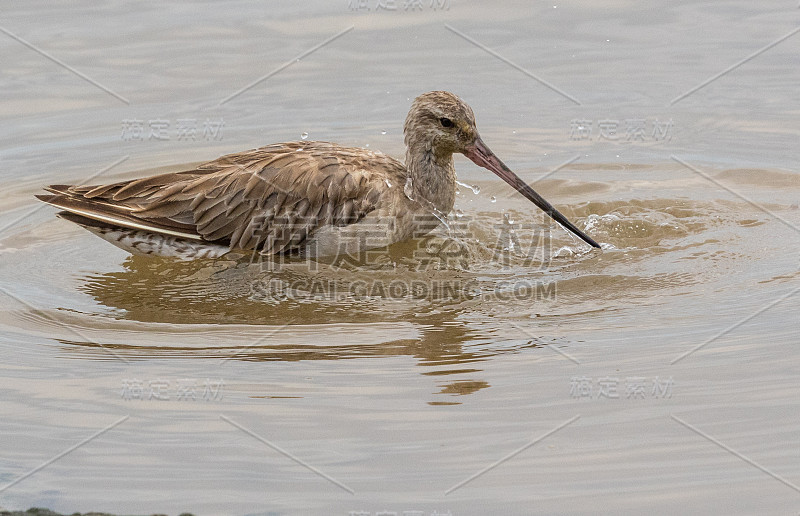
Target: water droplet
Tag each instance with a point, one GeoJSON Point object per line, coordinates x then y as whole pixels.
{"type": "Point", "coordinates": [367, 145]}
{"type": "Point", "coordinates": [513, 132]}
{"type": "Point", "coordinates": [459, 214]}
{"type": "Point", "coordinates": [475, 188]}
{"type": "Point", "coordinates": [493, 198]}
{"type": "Point", "coordinates": [304, 136]}
{"type": "Point", "coordinates": [383, 132]}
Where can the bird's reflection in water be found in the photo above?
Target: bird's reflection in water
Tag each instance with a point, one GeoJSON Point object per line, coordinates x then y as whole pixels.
{"type": "Point", "coordinates": [311, 311]}
{"type": "Point", "coordinates": [342, 312]}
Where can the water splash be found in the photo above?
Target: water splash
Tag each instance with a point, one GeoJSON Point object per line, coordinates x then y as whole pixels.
{"type": "Point", "coordinates": [564, 252]}
{"type": "Point", "coordinates": [408, 189]}
{"type": "Point", "coordinates": [304, 136]}
{"type": "Point", "coordinates": [594, 220]}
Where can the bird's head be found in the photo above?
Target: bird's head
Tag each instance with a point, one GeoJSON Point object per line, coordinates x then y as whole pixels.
{"type": "Point", "coordinates": [441, 124]}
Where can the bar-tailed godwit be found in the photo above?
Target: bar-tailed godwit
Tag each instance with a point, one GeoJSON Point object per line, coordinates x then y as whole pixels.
{"type": "Point", "coordinates": [315, 198]}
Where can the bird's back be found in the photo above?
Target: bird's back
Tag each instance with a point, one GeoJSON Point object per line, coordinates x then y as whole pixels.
{"type": "Point", "coordinates": [271, 198]}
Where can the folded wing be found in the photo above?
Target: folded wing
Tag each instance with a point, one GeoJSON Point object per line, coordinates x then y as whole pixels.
{"type": "Point", "coordinates": [271, 199]}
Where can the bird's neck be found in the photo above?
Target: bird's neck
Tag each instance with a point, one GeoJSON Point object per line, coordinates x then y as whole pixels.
{"type": "Point", "coordinates": [433, 177]}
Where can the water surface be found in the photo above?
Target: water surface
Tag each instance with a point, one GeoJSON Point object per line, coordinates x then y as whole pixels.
{"type": "Point", "coordinates": [657, 374]}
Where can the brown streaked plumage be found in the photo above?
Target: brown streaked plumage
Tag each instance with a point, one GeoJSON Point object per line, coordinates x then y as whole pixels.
{"type": "Point", "coordinates": [315, 197]}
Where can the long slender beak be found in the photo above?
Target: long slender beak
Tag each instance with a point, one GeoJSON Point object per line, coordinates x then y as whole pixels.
{"type": "Point", "coordinates": [482, 156]}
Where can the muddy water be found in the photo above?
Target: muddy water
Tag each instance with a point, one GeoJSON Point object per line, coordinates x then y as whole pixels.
{"type": "Point", "coordinates": [498, 366]}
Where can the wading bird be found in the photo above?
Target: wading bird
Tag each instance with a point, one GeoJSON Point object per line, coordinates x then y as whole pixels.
{"type": "Point", "coordinates": [312, 198]}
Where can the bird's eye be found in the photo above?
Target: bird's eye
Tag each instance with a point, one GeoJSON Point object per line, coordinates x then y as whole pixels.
{"type": "Point", "coordinates": [446, 122]}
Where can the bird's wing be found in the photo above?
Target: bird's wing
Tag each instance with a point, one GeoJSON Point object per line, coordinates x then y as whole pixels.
{"type": "Point", "coordinates": [268, 199]}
